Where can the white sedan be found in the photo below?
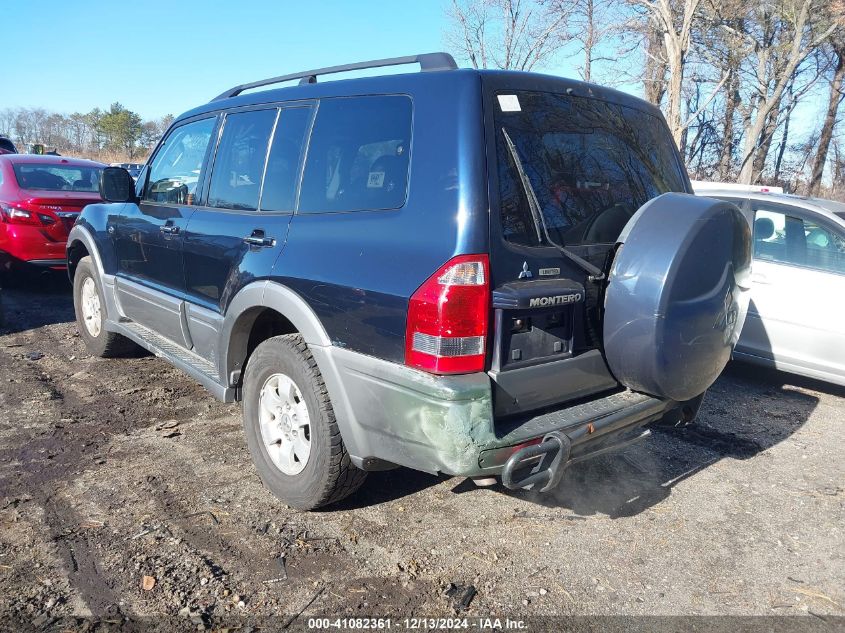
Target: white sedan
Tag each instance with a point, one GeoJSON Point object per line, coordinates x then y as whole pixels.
{"type": "Point", "coordinates": [796, 319]}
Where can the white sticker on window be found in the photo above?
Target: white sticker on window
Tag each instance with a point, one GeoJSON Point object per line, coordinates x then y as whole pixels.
{"type": "Point", "coordinates": [509, 103]}
{"type": "Point", "coordinates": [376, 180]}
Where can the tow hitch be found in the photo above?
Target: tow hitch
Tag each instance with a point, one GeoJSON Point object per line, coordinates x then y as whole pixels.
{"type": "Point", "coordinates": [538, 464]}
{"type": "Point", "coordinates": [544, 463]}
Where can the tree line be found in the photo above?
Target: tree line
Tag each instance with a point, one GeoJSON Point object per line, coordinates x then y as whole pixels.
{"type": "Point", "coordinates": [113, 135]}
{"type": "Point", "coordinates": [729, 75]}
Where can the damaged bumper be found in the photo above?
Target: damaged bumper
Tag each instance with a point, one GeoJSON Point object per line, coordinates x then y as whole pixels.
{"type": "Point", "coordinates": [444, 424]}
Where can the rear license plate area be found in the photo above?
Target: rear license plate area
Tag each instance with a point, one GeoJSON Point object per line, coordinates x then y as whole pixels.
{"type": "Point", "coordinates": [525, 337]}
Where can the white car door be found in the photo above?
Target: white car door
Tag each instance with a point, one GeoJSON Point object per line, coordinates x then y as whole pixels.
{"type": "Point", "coordinates": [796, 318]}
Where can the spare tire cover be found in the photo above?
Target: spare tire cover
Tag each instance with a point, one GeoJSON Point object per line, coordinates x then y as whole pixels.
{"type": "Point", "coordinates": [677, 295]}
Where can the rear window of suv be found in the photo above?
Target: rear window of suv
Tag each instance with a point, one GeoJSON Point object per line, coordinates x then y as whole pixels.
{"type": "Point", "coordinates": [591, 163]}
{"type": "Point", "coordinates": [358, 156]}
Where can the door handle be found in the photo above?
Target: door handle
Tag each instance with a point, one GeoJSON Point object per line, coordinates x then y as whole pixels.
{"type": "Point", "coordinates": [169, 229]}
{"type": "Point", "coordinates": [759, 278]}
{"type": "Point", "coordinates": [258, 239]}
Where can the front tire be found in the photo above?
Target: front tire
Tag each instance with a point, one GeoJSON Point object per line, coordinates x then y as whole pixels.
{"type": "Point", "coordinates": [291, 429]}
{"type": "Point", "coordinates": [89, 305]}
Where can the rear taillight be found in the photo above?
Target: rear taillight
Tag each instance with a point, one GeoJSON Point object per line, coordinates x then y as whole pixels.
{"type": "Point", "coordinates": [448, 317]}
{"type": "Point", "coordinates": [15, 215]}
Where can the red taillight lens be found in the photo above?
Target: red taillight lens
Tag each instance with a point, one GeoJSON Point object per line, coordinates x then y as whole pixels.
{"type": "Point", "coordinates": [448, 317]}
{"type": "Point", "coordinates": [15, 215]}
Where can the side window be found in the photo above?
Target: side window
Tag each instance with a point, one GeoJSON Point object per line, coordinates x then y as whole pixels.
{"type": "Point", "coordinates": [825, 248]}
{"type": "Point", "coordinates": [770, 236]}
{"type": "Point", "coordinates": [283, 163]}
{"type": "Point", "coordinates": [239, 163]}
{"type": "Point", "coordinates": [358, 155]}
{"type": "Point", "coordinates": [790, 239]}
{"type": "Point", "coordinates": [175, 170]}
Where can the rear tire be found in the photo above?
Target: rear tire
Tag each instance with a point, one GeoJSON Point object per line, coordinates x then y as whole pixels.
{"type": "Point", "coordinates": [89, 305]}
{"type": "Point", "coordinates": [7, 271]}
{"type": "Point", "coordinates": [291, 429]}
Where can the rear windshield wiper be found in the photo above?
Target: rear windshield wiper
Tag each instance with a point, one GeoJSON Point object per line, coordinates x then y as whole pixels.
{"type": "Point", "coordinates": [539, 219]}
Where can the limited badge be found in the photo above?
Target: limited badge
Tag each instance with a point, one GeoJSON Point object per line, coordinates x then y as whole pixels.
{"type": "Point", "coordinates": [376, 180]}
{"type": "Point", "coordinates": [549, 272]}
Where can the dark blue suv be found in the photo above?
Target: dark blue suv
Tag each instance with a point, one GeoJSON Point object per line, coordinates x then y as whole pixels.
{"type": "Point", "coordinates": [479, 273]}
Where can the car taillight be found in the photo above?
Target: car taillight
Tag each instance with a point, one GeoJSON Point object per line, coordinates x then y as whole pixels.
{"type": "Point", "coordinates": [15, 215]}
{"type": "Point", "coordinates": [448, 317]}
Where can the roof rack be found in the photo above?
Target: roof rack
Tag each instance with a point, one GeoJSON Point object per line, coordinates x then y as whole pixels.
{"type": "Point", "coordinates": [428, 62]}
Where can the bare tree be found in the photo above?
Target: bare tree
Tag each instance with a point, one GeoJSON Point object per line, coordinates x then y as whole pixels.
{"type": "Point", "coordinates": [835, 98]}
{"type": "Point", "coordinates": [703, 136]}
{"type": "Point", "coordinates": [88, 135]}
{"type": "Point", "coordinates": [837, 185]}
{"type": "Point", "coordinates": [781, 34]}
{"type": "Point", "coordinates": [791, 102]}
{"type": "Point", "coordinates": [723, 52]}
{"type": "Point", "coordinates": [508, 34]}
{"type": "Point", "coordinates": [655, 66]}
{"type": "Point", "coordinates": [728, 74]}
{"type": "Point", "coordinates": [7, 122]}
{"type": "Point", "coordinates": [591, 23]}
{"type": "Point", "coordinates": [673, 21]}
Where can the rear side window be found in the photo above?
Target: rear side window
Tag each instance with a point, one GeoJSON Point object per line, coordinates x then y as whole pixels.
{"type": "Point", "coordinates": [791, 239]}
{"type": "Point", "coordinates": [358, 155]}
{"type": "Point", "coordinates": [282, 174]}
{"type": "Point", "coordinates": [239, 165]}
{"type": "Point", "coordinates": [591, 163]}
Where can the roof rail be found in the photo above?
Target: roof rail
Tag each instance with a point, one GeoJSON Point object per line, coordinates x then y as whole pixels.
{"type": "Point", "coordinates": [428, 62]}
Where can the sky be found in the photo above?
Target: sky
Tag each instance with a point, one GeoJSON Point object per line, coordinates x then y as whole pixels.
{"type": "Point", "coordinates": [160, 57]}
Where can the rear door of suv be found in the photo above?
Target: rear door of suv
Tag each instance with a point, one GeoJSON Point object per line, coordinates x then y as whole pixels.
{"type": "Point", "coordinates": [592, 161]}
{"type": "Point", "coordinates": [240, 229]}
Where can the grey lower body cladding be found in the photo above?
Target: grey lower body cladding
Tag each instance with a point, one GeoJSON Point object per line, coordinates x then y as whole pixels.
{"type": "Point", "coordinates": [445, 424]}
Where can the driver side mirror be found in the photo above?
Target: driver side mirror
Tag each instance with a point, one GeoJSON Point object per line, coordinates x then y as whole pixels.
{"type": "Point", "coordinates": [116, 185]}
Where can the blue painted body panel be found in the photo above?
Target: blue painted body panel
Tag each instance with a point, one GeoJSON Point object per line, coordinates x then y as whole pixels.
{"type": "Point", "coordinates": [95, 218]}
{"type": "Point", "coordinates": [218, 263]}
{"type": "Point", "coordinates": [357, 270]}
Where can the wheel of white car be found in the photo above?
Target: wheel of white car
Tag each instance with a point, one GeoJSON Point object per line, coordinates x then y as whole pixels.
{"type": "Point", "coordinates": [291, 429]}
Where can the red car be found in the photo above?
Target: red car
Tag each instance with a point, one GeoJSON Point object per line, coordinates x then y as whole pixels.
{"type": "Point", "coordinates": [40, 199]}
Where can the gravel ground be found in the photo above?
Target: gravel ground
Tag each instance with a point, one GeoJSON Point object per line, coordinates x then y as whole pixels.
{"type": "Point", "coordinates": [126, 491]}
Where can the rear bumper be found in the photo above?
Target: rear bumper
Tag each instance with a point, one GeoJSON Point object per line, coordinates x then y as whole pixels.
{"type": "Point", "coordinates": [444, 424]}
{"type": "Point", "coordinates": [48, 263]}
{"type": "Point", "coordinates": [30, 244]}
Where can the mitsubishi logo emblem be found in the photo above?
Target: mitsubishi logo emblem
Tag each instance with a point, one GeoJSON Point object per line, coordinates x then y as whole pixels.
{"type": "Point", "coordinates": [525, 274]}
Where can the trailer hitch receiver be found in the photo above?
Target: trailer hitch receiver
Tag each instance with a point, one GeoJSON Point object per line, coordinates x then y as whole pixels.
{"type": "Point", "coordinates": [539, 464]}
